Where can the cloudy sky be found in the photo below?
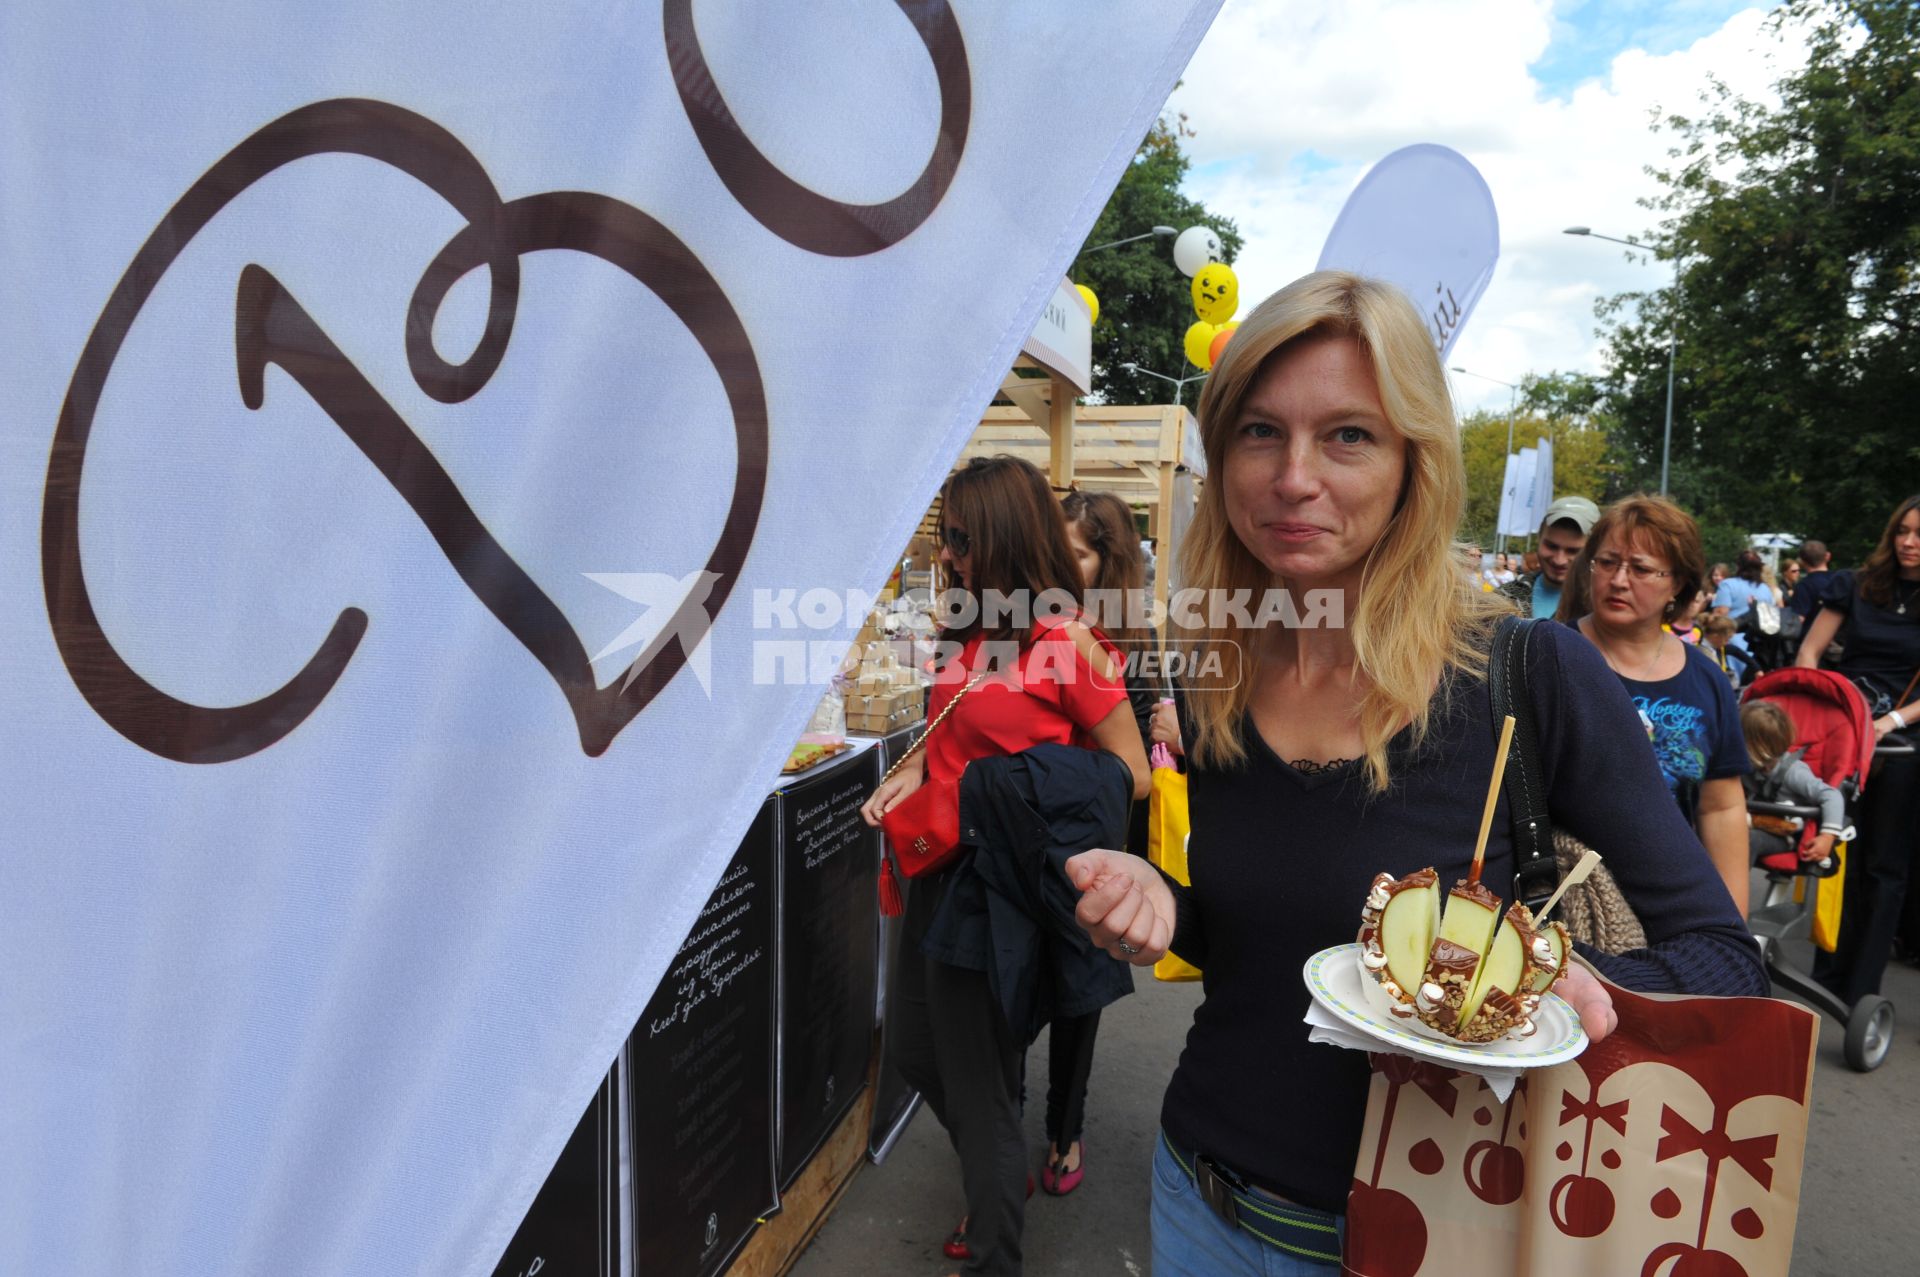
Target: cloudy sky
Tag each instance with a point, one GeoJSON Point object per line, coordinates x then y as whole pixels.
{"type": "Point", "coordinates": [1293, 100]}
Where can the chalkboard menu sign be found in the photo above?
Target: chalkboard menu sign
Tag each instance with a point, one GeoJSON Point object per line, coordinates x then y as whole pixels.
{"type": "Point", "coordinates": [829, 936]}
{"type": "Point", "coordinates": [573, 1225]}
{"type": "Point", "coordinates": [701, 1071]}
{"type": "Point", "coordinates": [893, 1098]}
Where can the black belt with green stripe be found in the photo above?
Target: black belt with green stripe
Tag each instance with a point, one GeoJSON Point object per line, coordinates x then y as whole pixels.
{"type": "Point", "coordinates": [1297, 1230]}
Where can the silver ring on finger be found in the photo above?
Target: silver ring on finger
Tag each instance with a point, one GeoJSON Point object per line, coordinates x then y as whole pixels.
{"type": "Point", "coordinates": [1127, 949]}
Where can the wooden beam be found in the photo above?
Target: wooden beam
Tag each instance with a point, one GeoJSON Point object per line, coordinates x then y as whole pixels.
{"type": "Point", "coordinates": [1160, 520]}
{"type": "Point", "coordinates": [1060, 432]}
{"type": "Point", "coordinates": [1029, 394]}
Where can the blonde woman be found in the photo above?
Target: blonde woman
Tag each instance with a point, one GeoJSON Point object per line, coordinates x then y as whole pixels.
{"type": "Point", "coordinates": [1349, 749]}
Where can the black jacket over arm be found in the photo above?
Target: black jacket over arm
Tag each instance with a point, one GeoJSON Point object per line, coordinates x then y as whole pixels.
{"type": "Point", "coordinates": [1007, 907]}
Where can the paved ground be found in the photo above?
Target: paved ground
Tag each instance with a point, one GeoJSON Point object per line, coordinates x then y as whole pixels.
{"type": "Point", "coordinates": [1860, 1211]}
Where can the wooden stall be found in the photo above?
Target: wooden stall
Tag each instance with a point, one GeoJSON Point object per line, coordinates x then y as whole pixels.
{"type": "Point", "coordinates": [1148, 454]}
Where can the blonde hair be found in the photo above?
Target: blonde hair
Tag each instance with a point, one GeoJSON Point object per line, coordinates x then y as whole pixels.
{"type": "Point", "coordinates": [1418, 624]}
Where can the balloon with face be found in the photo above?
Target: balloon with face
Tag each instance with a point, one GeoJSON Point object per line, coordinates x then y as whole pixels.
{"type": "Point", "coordinates": [1093, 303]}
{"type": "Point", "coordinates": [1195, 247]}
{"type": "Point", "coordinates": [1199, 344]}
{"type": "Point", "coordinates": [1216, 293]}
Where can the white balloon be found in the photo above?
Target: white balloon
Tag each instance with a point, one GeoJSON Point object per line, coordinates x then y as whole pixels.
{"type": "Point", "coordinates": [1196, 246]}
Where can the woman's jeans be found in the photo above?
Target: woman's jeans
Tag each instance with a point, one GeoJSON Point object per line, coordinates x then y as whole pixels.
{"type": "Point", "coordinates": [1189, 1240]}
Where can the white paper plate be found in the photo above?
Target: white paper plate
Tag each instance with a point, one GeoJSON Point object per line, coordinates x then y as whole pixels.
{"type": "Point", "coordinates": [1335, 980]}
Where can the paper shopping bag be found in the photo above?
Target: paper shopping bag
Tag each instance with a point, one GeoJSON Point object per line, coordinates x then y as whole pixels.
{"type": "Point", "coordinates": [1672, 1147]}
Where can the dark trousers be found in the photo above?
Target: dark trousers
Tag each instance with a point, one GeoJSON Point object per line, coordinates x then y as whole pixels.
{"type": "Point", "coordinates": [1069, 1065]}
{"type": "Point", "coordinates": [1070, 1038]}
{"type": "Point", "coordinates": [1876, 886]}
{"type": "Point", "coordinates": [953, 1046]}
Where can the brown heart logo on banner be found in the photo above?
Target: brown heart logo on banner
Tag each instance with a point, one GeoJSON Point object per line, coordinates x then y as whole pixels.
{"type": "Point", "coordinates": [271, 327]}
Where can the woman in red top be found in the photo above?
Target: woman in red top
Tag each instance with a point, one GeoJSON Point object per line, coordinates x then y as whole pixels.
{"type": "Point", "coordinates": [1045, 678]}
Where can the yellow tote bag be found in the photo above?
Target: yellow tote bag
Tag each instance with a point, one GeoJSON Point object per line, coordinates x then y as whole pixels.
{"type": "Point", "coordinates": [1826, 904]}
{"type": "Point", "coordinates": [1167, 830]}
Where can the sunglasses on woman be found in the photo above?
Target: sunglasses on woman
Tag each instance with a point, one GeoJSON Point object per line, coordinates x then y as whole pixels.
{"type": "Point", "coordinates": [956, 539]}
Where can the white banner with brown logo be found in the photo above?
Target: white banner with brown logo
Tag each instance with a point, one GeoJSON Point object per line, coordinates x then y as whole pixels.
{"type": "Point", "coordinates": [438, 442]}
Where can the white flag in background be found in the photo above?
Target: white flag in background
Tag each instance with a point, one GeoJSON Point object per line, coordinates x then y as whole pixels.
{"type": "Point", "coordinates": [1522, 523]}
{"type": "Point", "coordinates": [1422, 218]}
{"type": "Point", "coordinates": [1504, 520]}
{"type": "Point", "coordinates": [1515, 492]}
{"type": "Point", "coordinates": [419, 423]}
{"type": "Point", "coordinates": [1542, 495]}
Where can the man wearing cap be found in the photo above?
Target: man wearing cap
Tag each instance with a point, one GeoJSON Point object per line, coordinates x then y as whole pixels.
{"type": "Point", "coordinates": [1562, 535]}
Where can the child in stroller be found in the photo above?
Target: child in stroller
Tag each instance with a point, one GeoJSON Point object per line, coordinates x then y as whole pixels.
{"type": "Point", "coordinates": [1780, 775]}
{"type": "Point", "coordinates": [1833, 739]}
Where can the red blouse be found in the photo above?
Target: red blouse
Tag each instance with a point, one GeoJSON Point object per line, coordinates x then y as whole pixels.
{"type": "Point", "coordinates": [1051, 696]}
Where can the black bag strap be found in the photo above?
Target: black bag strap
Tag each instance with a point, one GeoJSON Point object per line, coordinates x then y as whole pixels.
{"type": "Point", "coordinates": [1535, 872]}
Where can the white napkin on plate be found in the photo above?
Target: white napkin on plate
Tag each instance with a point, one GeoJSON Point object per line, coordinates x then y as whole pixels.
{"type": "Point", "coordinates": [1334, 1032]}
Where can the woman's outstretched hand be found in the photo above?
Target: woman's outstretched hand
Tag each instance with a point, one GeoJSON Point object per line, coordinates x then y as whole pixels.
{"type": "Point", "coordinates": [1123, 900]}
{"type": "Point", "coordinates": [888, 796]}
{"type": "Point", "coordinates": [1589, 999]}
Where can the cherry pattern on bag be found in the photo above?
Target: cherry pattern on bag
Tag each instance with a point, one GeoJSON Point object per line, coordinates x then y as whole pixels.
{"type": "Point", "coordinates": [1613, 1209]}
{"type": "Point", "coordinates": [1386, 1233]}
{"type": "Point", "coordinates": [1495, 1170]}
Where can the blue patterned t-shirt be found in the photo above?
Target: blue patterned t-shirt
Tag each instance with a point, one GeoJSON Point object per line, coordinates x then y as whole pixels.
{"type": "Point", "coordinates": [1696, 723]}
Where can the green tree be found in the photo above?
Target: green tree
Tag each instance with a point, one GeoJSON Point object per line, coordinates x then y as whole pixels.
{"type": "Point", "coordinates": [1797, 230]}
{"type": "Point", "coordinates": [1568, 408]}
{"type": "Point", "coordinates": [1145, 303]}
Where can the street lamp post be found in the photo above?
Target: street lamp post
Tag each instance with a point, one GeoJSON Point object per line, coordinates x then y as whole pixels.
{"type": "Point", "coordinates": [1179, 384]}
{"type": "Point", "coordinates": [1513, 410]}
{"type": "Point", "coordinates": [1673, 341]}
{"type": "Point", "coordinates": [1158, 232]}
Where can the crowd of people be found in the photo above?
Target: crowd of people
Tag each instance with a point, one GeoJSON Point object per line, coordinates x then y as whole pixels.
{"type": "Point", "coordinates": [1335, 467]}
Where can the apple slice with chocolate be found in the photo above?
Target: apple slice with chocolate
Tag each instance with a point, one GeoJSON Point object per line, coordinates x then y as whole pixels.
{"type": "Point", "coordinates": [1397, 929]}
{"type": "Point", "coordinates": [1453, 964]}
{"type": "Point", "coordinates": [1547, 956]}
{"type": "Point", "coordinates": [1503, 968]}
{"type": "Point", "coordinates": [1521, 966]}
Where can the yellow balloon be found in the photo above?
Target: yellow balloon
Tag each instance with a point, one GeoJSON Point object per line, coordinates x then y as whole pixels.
{"type": "Point", "coordinates": [1216, 293]}
{"type": "Point", "coordinates": [1199, 344]}
{"type": "Point", "coordinates": [1093, 303]}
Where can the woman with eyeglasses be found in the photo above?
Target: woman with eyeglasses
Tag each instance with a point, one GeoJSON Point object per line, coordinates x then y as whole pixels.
{"type": "Point", "coordinates": [1642, 564]}
{"type": "Point", "coordinates": [1032, 673]}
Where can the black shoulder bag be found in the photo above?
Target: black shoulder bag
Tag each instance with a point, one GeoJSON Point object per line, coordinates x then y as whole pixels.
{"type": "Point", "coordinates": [1595, 911]}
{"type": "Point", "coordinates": [1535, 873]}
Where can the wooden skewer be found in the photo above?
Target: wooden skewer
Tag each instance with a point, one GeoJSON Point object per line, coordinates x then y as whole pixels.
{"type": "Point", "coordinates": [1493, 796]}
{"type": "Point", "coordinates": [1576, 875]}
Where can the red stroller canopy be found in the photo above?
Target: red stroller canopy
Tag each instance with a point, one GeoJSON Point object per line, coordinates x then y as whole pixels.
{"type": "Point", "coordinates": [1829, 720]}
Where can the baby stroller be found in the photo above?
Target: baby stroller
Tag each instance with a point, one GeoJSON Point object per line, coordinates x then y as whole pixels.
{"type": "Point", "coordinates": [1830, 724]}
